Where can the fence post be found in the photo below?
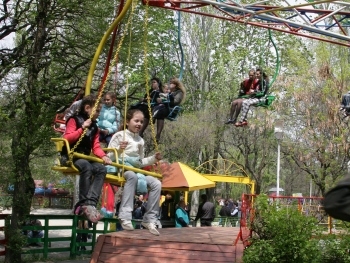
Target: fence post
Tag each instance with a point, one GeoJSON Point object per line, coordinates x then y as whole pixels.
{"type": "Point", "coordinates": [73, 249]}
{"type": "Point", "coordinates": [46, 236]}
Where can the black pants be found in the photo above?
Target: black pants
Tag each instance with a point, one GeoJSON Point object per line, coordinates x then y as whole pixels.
{"type": "Point", "coordinates": [206, 222]}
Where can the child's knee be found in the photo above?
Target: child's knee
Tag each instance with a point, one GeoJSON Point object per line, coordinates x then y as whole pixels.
{"type": "Point", "coordinates": [130, 175]}
{"type": "Point", "coordinates": [156, 184]}
{"type": "Point", "coordinates": [102, 168]}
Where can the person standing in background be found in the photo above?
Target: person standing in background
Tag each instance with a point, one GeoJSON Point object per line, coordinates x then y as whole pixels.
{"type": "Point", "coordinates": [206, 211]}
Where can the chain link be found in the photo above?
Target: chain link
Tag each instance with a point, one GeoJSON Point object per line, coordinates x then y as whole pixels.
{"type": "Point", "coordinates": [145, 48]}
{"type": "Point", "coordinates": [103, 86]}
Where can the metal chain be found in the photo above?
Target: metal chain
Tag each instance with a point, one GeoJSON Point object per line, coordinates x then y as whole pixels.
{"type": "Point", "coordinates": [145, 48]}
{"type": "Point", "coordinates": [102, 88]}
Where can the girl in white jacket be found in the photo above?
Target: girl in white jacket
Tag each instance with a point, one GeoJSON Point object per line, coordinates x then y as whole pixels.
{"type": "Point", "coordinates": [130, 146]}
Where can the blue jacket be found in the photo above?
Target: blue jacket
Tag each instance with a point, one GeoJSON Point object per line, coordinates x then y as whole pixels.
{"type": "Point", "coordinates": [109, 119]}
{"type": "Point", "coordinates": [180, 212]}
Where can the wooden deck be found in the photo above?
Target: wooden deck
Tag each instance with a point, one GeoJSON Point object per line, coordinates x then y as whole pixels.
{"type": "Point", "coordinates": [180, 245]}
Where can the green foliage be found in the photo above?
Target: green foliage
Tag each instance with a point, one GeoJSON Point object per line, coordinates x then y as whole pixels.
{"type": "Point", "coordinates": [5, 201]}
{"type": "Point", "coordinates": [283, 234]}
{"type": "Point", "coordinates": [335, 248]}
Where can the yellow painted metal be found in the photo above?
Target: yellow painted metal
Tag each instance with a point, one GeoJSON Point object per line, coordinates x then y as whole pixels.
{"type": "Point", "coordinates": [221, 167]}
{"type": "Point", "coordinates": [114, 179]}
{"type": "Point", "coordinates": [110, 178]}
{"type": "Point", "coordinates": [222, 170]}
{"type": "Point", "coordinates": [180, 177]}
{"type": "Point", "coordinates": [232, 179]}
{"type": "Point", "coordinates": [102, 44]}
{"type": "Point", "coordinates": [129, 168]}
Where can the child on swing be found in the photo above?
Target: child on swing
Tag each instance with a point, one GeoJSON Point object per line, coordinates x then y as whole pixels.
{"type": "Point", "coordinates": [92, 174]}
{"type": "Point", "coordinates": [130, 148]}
{"type": "Point", "coordinates": [109, 118]}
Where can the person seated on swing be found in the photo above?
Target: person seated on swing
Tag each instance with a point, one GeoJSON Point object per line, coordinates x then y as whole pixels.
{"type": "Point", "coordinates": [166, 89]}
{"type": "Point", "coordinates": [109, 119]}
{"type": "Point", "coordinates": [130, 147]}
{"type": "Point", "coordinates": [156, 89]}
{"type": "Point", "coordinates": [176, 97]}
{"type": "Point", "coordinates": [248, 86]}
{"type": "Point", "coordinates": [345, 104]}
{"type": "Point", "coordinates": [257, 96]}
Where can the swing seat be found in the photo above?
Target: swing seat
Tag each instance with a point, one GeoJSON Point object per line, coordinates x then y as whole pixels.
{"type": "Point", "coordinates": [72, 170]}
{"type": "Point", "coordinates": [138, 104]}
{"type": "Point", "coordinates": [59, 143]}
{"type": "Point", "coordinates": [174, 113]}
{"type": "Point", "coordinates": [267, 102]}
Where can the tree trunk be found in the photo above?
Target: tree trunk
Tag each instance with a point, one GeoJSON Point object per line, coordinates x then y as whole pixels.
{"type": "Point", "coordinates": [23, 141]}
{"type": "Point", "coordinates": [22, 197]}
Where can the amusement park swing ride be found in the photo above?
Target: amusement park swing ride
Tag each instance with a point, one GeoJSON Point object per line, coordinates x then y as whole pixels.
{"type": "Point", "coordinates": [324, 20]}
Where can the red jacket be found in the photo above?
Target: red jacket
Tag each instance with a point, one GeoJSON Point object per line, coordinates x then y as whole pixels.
{"type": "Point", "coordinates": [73, 132]}
{"type": "Point", "coordinates": [248, 85]}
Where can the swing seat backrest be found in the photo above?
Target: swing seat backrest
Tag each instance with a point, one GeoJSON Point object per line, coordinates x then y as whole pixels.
{"type": "Point", "coordinates": [60, 143]}
{"type": "Point", "coordinates": [72, 170]}
{"type": "Point", "coordinates": [174, 113]}
{"type": "Point", "coordinates": [266, 102]}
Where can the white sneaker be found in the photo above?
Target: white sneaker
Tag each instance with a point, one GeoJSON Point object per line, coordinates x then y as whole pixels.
{"type": "Point", "coordinates": [159, 225]}
{"type": "Point", "coordinates": [127, 225]}
{"type": "Point", "coordinates": [151, 227]}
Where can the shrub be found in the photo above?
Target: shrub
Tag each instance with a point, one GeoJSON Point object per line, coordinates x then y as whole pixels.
{"type": "Point", "coordinates": [281, 234]}
{"type": "Point", "coordinates": [334, 248]}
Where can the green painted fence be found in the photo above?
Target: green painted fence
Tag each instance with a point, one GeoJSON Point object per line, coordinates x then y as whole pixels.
{"type": "Point", "coordinates": [47, 242]}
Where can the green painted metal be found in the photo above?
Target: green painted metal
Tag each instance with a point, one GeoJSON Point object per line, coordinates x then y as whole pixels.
{"type": "Point", "coordinates": [278, 61]}
{"type": "Point", "coordinates": [47, 242]}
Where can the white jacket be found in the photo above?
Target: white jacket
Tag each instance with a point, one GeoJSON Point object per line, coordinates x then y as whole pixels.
{"type": "Point", "coordinates": [135, 147]}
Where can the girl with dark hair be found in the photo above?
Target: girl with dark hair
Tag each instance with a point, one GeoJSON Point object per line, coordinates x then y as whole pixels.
{"type": "Point", "coordinates": [176, 97]}
{"type": "Point", "coordinates": [156, 89]}
{"type": "Point", "coordinates": [92, 174]}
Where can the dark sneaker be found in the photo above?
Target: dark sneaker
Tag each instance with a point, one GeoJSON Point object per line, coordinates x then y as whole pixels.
{"type": "Point", "coordinates": [230, 121]}
{"type": "Point", "coordinates": [34, 245]}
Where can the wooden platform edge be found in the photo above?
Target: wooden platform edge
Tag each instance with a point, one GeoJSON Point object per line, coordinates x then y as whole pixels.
{"type": "Point", "coordinates": [98, 248]}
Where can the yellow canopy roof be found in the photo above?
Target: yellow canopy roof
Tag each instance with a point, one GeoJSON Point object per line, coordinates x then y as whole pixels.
{"type": "Point", "coordinates": [180, 177]}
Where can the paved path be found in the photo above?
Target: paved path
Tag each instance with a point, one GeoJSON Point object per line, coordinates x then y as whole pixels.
{"type": "Point", "coordinates": [55, 257]}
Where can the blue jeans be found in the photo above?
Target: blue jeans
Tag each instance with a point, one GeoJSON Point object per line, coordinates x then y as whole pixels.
{"type": "Point", "coordinates": [92, 176]}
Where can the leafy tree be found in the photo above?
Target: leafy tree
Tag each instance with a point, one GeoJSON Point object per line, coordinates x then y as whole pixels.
{"type": "Point", "coordinates": [317, 138]}
{"type": "Point", "coordinates": [51, 52]}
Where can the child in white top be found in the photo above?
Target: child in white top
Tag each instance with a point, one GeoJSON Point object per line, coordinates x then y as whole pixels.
{"type": "Point", "coordinates": [130, 145]}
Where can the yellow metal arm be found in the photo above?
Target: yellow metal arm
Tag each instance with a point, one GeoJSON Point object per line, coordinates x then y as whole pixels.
{"type": "Point", "coordinates": [129, 168]}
